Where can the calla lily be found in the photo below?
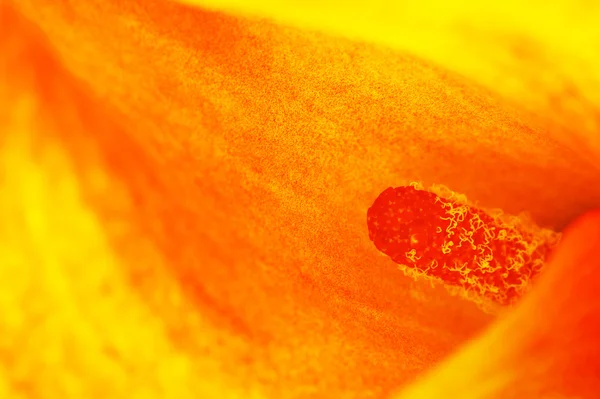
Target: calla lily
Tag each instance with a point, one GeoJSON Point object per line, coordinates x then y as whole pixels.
{"type": "Point", "coordinates": [185, 186]}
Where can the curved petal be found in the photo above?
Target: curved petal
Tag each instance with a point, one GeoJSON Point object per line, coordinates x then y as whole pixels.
{"type": "Point", "coordinates": [540, 56]}
{"type": "Point", "coordinates": [548, 347]}
{"type": "Point", "coordinates": [214, 79]}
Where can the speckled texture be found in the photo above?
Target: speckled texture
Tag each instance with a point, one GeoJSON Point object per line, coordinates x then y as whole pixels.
{"type": "Point", "coordinates": [184, 196]}
{"type": "Point", "coordinates": [464, 247]}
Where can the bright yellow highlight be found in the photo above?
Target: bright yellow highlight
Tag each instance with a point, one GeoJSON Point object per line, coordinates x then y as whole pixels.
{"type": "Point", "coordinates": [67, 306]}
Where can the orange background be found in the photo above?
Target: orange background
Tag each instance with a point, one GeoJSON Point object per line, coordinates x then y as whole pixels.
{"type": "Point", "coordinates": [184, 195]}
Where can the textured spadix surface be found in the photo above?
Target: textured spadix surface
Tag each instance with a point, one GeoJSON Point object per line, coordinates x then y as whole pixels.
{"type": "Point", "coordinates": [437, 234]}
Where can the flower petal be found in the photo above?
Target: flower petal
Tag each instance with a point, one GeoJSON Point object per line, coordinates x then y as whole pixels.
{"type": "Point", "coordinates": [238, 159]}
{"type": "Point", "coordinates": [127, 273]}
{"type": "Point", "coordinates": [542, 57]}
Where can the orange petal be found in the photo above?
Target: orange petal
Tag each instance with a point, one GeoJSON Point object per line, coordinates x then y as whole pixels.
{"type": "Point", "coordinates": [217, 173]}
{"type": "Point", "coordinates": [541, 57]}
{"type": "Point", "coordinates": [130, 272]}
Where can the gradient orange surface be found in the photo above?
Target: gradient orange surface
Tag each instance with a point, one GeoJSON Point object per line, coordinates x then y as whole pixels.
{"type": "Point", "coordinates": [183, 197]}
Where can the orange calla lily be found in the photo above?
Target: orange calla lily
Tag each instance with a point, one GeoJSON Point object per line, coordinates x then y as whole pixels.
{"type": "Point", "coordinates": [184, 197]}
